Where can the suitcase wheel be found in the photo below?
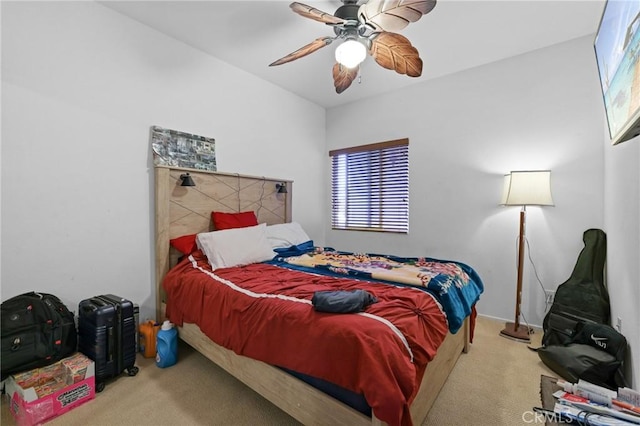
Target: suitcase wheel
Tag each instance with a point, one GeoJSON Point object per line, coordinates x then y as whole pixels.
{"type": "Point", "coordinates": [132, 371]}
{"type": "Point", "coordinates": [99, 386]}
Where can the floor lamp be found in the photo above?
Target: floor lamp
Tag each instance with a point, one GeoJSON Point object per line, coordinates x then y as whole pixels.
{"type": "Point", "coordinates": [524, 188]}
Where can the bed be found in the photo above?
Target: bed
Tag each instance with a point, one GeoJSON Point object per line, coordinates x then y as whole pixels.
{"type": "Point", "coordinates": [405, 399]}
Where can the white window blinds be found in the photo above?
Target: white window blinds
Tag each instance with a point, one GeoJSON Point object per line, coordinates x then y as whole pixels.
{"type": "Point", "coordinates": [370, 187]}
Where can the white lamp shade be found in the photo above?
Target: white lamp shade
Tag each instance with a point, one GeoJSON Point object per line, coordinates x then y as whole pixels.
{"type": "Point", "coordinates": [351, 53]}
{"type": "Point", "coordinates": [527, 188]}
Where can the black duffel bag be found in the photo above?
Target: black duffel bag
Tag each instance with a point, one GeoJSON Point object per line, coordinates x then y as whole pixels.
{"type": "Point", "coordinates": [37, 329]}
{"type": "Point", "coordinates": [596, 353]}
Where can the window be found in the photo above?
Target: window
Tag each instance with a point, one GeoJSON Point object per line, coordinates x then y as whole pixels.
{"type": "Point", "coordinates": [370, 187]}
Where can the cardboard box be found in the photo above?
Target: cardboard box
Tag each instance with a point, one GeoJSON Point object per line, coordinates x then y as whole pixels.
{"type": "Point", "coordinates": [43, 393]}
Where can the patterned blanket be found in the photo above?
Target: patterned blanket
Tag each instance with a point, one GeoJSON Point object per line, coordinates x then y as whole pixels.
{"type": "Point", "coordinates": [456, 285]}
{"type": "Point", "coordinates": [419, 271]}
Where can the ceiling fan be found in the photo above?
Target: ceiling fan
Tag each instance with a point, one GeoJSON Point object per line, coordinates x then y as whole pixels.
{"type": "Point", "coordinates": [368, 27]}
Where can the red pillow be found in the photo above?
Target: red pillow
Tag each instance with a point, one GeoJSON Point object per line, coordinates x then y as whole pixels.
{"type": "Point", "coordinates": [233, 220]}
{"type": "Point", "coordinates": [185, 244]}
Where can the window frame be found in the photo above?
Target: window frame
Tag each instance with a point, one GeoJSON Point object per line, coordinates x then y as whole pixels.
{"type": "Point", "coordinates": [372, 162]}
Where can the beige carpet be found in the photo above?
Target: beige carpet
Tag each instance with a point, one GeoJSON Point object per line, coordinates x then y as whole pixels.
{"type": "Point", "coordinates": [496, 383]}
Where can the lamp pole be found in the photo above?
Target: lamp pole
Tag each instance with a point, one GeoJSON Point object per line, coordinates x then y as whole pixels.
{"type": "Point", "coordinates": [514, 330]}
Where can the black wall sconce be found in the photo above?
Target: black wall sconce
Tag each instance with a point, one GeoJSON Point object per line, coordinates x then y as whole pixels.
{"type": "Point", "coordinates": [186, 180]}
{"type": "Point", "coordinates": [282, 188]}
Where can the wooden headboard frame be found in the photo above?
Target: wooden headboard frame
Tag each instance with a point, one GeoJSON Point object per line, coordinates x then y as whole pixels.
{"type": "Point", "coordinates": [183, 210]}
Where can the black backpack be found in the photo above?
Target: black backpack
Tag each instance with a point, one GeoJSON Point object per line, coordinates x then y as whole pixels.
{"type": "Point", "coordinates": [37, 329]}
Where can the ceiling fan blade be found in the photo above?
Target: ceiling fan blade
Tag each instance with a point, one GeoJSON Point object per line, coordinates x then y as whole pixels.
{"type": "Point", "coordinates": [393, 15]}
{"type": "Point", "coordinates": [316, 44]}
{"type": "Point", "coordinates": [343, 77]}
{"type": "Point", "coordinates": [315, 14]}
{"type": "Point", "coordinates": [395, 52]}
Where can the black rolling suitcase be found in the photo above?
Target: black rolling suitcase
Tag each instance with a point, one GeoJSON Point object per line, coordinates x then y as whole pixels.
{"type": "Point", "coordinates": [106, 334]}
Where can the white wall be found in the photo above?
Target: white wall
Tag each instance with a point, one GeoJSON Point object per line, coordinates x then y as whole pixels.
{"type": "Point", "coordinates": [81, 86]}
{"type": "Point", "coordinates": [535, 111]}
{"type": "Point", "coordinates": [622, 219]}
{"type": "Point", "coordinates": [541, 110]}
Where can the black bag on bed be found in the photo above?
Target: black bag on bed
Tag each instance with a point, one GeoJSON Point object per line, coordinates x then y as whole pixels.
{"type": "Point", "coordinates": [37, 330]}
{"type": "Point", "coordinates": [342, 301]}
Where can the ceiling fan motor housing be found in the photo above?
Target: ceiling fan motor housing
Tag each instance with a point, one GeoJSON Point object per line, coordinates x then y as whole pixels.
{"type": "Point", "coordinates": [348, 11]}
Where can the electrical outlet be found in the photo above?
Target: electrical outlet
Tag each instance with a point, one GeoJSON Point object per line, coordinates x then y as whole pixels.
{"type": "Point", "coordinates": [549, 295]}
{"type": "Point", "coordinates": [619, 325]}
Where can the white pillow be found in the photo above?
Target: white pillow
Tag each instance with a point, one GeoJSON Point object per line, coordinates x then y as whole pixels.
{"type": "Point", "coordinates": [237, 246]}
{"type": "Point", "coordinates": [286, 235]}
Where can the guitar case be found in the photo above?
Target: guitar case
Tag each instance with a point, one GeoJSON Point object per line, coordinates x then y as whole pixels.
{"type": "Point", "coordinates": [583, 297]}
{"type": "Point", "coordinates": [578, 341]}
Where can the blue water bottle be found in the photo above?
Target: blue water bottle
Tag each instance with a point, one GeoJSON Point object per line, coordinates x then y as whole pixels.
{"type": "Point", "coordinates": [167, 345]}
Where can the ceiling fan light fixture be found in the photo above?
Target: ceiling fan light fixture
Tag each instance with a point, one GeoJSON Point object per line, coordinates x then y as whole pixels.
{"type": "Point", "coordinates": [351, 53]}
{"type": "Point", "coordinates": [366, 27]}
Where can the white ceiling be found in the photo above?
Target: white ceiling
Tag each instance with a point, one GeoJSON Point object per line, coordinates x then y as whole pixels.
{"type": "Point", "coordinates": [456, 35]}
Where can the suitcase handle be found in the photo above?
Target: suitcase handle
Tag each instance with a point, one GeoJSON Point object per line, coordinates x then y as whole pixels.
{"type": "Point", "coordinates": [88, 308]}
{"type": "Point", "coordinates": [110, 344]}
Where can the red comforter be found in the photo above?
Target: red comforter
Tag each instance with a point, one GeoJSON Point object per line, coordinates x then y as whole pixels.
{"type": "Point", "coordinates": [264, 312]}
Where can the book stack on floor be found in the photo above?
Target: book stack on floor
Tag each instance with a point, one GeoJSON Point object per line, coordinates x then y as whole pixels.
{"type": "Point", "coordinates": [588, 404]}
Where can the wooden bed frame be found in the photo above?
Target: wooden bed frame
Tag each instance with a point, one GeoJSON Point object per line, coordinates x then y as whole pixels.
{"type": "Point", "coordinates": [187, 210]}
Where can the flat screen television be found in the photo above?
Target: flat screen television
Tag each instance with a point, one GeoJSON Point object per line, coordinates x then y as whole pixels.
{"type": "Point", "coordinates": [617, 48]}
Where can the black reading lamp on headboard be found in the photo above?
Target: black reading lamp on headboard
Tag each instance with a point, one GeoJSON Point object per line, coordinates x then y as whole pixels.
{"type": "Point", "coordinates": [187, 180]}
{"type": "Point", "coordinates": [281, 187]}
{"type": "Point", "coordinates": [524, 188]}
